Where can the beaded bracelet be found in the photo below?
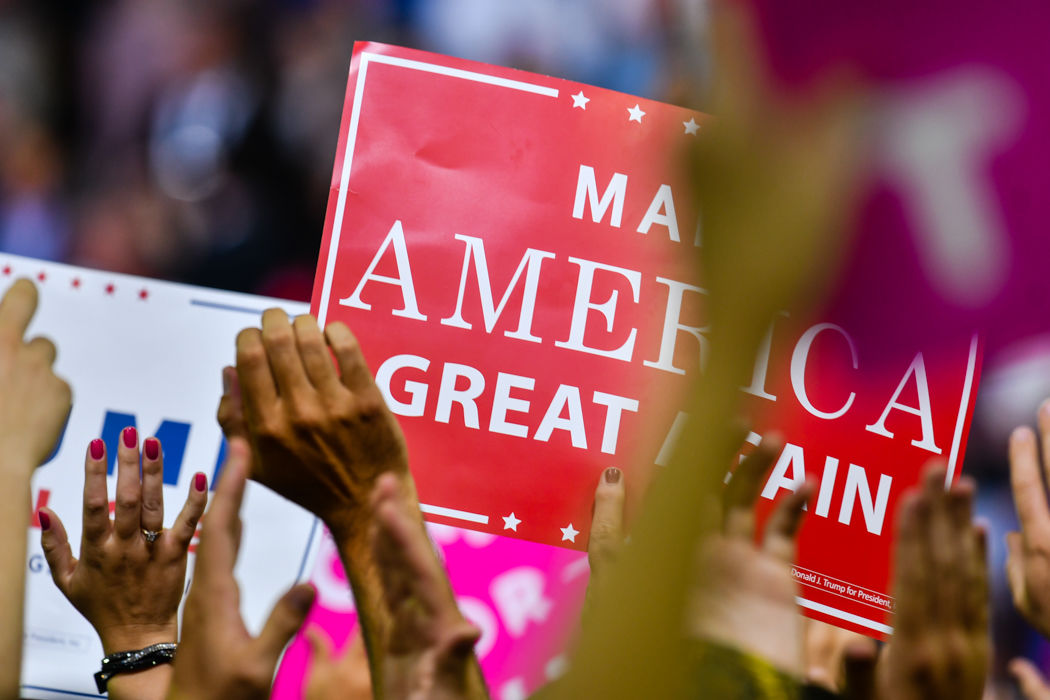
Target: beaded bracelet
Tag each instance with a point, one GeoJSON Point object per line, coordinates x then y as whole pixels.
{"type": "Point", "coordinates": [129, 661]}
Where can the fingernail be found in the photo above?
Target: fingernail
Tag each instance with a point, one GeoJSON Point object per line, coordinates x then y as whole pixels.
{"type": "Point", "coordinates": [225, 380]}
{"type": "Point", "coordinates": [98, 449]}
{"type": "Point", "coordinates": [152, 448]}
{"type": "Point", "coordinates": [131, 437]}
{"type": "Point", "coordinates": [200, 482]}
{"type": "Point", "coordinates": [45, 520]}
{"type": "Point", "coordinates": [612, 475]}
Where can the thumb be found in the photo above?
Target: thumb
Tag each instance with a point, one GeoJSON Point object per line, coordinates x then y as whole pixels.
{"type": "Point", "coordinates": [1033, 685]}
{"type": "Point", "coordinates": [286, 619]}
{"type": "Point", "coordinates": [57, 552]}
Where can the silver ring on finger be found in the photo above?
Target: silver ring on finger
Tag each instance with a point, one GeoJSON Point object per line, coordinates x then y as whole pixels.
{"type": "Point", "coordinates": [150, 535]}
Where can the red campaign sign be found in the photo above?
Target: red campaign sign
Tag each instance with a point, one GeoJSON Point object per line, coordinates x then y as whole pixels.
{"type": "Point", "coordinates": [516, 255]}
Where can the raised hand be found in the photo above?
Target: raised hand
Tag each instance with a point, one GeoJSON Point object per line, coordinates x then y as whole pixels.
{"type": "Point", "coordinates": [127, 587]}
{"type": "Point", "coordinates": [430, 653]}
{"type": "Point", "coordinates": [745, 598]}
{"type": "Point", "coordinates": [217, 657]}
{"type": "Point", "coordinates": [34, 404]}
{"type": "Point", "coordinates": [940, 645]}
{"type": "Point", "coordinates": [321, 435]}
{"type": "Point", "coordinates": [1028, 563]}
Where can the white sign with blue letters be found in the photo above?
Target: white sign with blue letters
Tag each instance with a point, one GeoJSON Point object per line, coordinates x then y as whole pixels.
{"type": "Point", "coordinates": [145, 353]}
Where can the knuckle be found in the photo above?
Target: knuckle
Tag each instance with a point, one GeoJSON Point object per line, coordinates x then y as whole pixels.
{"type": "Point", "coordinates": [96, 507]}
{"type": "Point", "coordinates": [311, 341]}
{"type": "Point", "coordinates": [279, 338]}
{"type": "Point", "coordinates": [370, 405]}
{"type": "Point", "coordinates": [603, 534]}
{"type": "Point", "coordinates": [307, 418]}
{"type": "Point", "coordinates": [270, 426]}
{"type": "Point", "coordinates": [153, 505]}
{"type": "Point", "coordinates": [252, 355]}
{"type": "Point", "coordinates": [127, 501]}
{"type": "Point", "coordinates": [601, 552]}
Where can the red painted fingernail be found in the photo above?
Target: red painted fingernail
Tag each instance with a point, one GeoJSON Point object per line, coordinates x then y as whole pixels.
{"type": "Point", "coordinates": [152, 448]}
{"type": "Point", "coordinates": [200, 482]}
{"type": "Point", "coordinates": [612, 475]}
{"type": "Point", "coordinates": [98, 449]}
{"type": "Point", "coordinates": [45, 520]}
{"type": "Point", "coordinates": [131, 437]}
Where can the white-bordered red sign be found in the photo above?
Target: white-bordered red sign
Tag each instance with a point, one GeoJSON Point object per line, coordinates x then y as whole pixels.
{"type": "Point", "coordinates": [517, 254]}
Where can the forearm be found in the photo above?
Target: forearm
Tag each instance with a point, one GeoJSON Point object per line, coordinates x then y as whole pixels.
{"type": "Point", "coordinates": [14, 519]}
{"type": "Point", "coordinates": [356, 553]}
{"type": "Point", "coordinates": [150, 684]}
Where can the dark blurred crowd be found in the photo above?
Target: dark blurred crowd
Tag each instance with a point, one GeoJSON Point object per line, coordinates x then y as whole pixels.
{"type": "Point", "coordinates": [194, 140]}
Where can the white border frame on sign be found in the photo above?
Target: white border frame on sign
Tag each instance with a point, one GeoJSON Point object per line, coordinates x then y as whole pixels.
{"type": "Point", "coordinates": [368, 57]}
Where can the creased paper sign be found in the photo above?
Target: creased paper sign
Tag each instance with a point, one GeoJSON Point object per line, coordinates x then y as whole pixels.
{"type": "Point", "coordinates": [144, 353]}
{"type": "Point", "coordinates": [517, 255]}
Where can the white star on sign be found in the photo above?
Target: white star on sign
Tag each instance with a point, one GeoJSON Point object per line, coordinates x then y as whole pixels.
{"type": "Point", "coordinates": [569, 533]}
{"type": "Point", "coordinates": [691, 127]}
{"type": "Point", "coordinates": [578, 100]}
{"type": "Point", "coordinates": [510, 522]}
{"type": "Point", "coordinates": [636, 114]}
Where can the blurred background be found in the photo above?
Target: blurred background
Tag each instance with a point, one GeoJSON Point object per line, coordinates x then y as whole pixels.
{"type": "Point", "coordinates": [193, 140]}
